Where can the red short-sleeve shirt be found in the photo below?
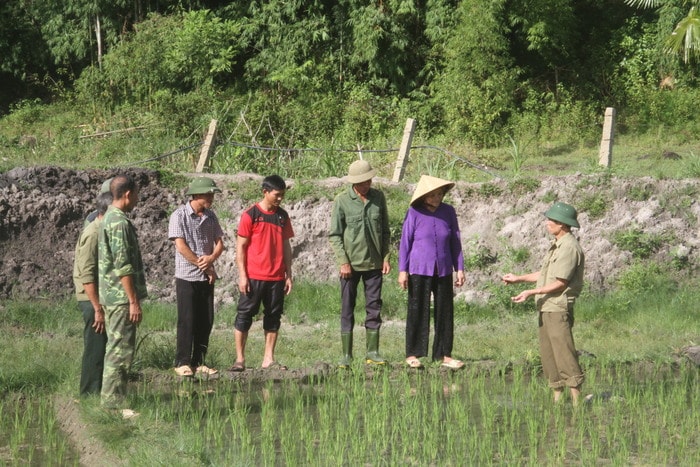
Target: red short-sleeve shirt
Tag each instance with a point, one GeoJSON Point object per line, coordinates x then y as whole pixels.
{"type": "Point", "coordinates": [267, 231]}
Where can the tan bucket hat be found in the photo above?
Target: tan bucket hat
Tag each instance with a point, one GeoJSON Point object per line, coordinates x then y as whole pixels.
{"type": "Point", "coordinates": [426, 184]}
{"type": "Point", "coordinates": [360, 171]}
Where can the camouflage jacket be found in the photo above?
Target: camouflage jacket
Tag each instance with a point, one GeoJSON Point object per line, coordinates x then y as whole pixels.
{"type": "Point", "coordinates": [119, 255]}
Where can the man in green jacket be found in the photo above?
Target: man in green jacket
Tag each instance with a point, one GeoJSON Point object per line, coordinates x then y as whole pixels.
{"type": "Point", "coordinates": [359, 236]}
{"type": "Point", "coordinates": [122, 288]}
{"type": "Point", "coordinates": [85, 278]}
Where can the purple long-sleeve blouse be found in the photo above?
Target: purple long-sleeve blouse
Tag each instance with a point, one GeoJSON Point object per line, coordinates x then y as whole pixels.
{"type": "Point", "coordinates": [431, 242]}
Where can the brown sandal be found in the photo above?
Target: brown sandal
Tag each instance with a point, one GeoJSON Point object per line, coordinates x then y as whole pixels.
{"type": "Point", "coordinates": [237, 367]}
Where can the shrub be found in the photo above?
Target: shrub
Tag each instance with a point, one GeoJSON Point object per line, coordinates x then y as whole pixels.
{"type": "Point", "coordinates": [522, 185]}
{"type": "Point", "coordinates": [594, 204]}
{"type": "Point", "coordinates": [489, 190]}
{"type": "Point", "coordinates": [550, 197]}
{"type": "Point", "coordinates": [645, 277]}
{"type": "Point", "coordinates": [640, 192]}
{"type": "Point", "coordinates": [477, 256]}
{"type": "Point", "coordinates": [636, 241]}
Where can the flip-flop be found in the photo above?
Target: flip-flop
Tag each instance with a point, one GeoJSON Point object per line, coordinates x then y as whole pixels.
{"type": "Point", "coordinates": [414, 363]}
{"type": "Point", "coordinates": [237, 367]}
{"type": "Point", "coordinates": [184, 370]}
{"type": "Point", "coordinates": [275, 366]}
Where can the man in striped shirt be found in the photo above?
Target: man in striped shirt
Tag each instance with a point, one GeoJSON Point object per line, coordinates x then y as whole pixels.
{"type": "Point", "coordinates": [198, 238]}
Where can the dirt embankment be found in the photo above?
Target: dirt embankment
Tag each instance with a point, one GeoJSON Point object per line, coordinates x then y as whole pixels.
{"type": "Point", "coordinates": [42, 211]}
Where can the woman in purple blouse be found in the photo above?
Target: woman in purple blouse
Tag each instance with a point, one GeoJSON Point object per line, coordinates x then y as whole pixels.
{"type": "Point", "coordinates": [429, 252]}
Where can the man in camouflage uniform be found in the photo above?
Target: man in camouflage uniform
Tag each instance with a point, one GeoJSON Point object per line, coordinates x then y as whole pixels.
{"type": "Point", "coordinates": [122, 287]}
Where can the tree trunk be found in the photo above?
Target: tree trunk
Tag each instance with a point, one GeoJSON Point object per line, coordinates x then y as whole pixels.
{"type": "Point", "coordinates": [98, 35]}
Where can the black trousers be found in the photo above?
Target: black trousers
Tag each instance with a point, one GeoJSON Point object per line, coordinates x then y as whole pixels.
{"type": "Point", "coordinates": [195, 319]}
{"type": "Point", "coordinates": [94, 346]}
{"type": "Point", "coordinates": [420, 289]}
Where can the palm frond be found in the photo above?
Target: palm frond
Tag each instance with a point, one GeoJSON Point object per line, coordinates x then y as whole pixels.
{"type": "Point", "coordinates": [685, 38]}
{"type": "Point", "coordinates": [644, 4]}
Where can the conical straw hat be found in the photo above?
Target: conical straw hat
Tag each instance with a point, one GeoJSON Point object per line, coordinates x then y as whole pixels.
{"type": "Point", "coordinates": [426, 184]}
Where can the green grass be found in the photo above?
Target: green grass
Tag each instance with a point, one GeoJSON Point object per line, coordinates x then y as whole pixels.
{"type": "Point", "coordinates": [643, 410]}
{"type": "Point", "coordinates": [59, 134]}
{"type": "Point", "coordinates": [645, 405]}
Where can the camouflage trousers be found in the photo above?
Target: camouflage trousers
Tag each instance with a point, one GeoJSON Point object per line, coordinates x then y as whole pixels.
{"type": "Point", "coordinates": [121, 344]}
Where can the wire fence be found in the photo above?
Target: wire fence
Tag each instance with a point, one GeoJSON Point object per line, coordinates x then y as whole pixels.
{"type": "Point", "coordinates": [167, 154]}
{"type": "Point", "coordinates": [360, 151]}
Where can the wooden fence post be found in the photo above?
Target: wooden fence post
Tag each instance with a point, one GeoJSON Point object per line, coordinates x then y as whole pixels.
{"type": "Point", "coordinates": [606, 143]}
{"type": "Point", "coordinates": [207, 147]}
{"type": "Point", "coordinates": [405, 148]}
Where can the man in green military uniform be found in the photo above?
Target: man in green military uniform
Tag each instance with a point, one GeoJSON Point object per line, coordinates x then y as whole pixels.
{"type": "Point", "coordinates": [122, 287]}
{"type": "Point", "coordinates": [558, 283]}
{"type": "Point", "coordinates": [85, 278]}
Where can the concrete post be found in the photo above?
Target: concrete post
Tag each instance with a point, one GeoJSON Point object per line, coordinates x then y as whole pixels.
{"type": "Point", "coordinates": [405, 148]}
{"type": "Point", "coordinates": [606, 143]}
{"type": "Point", "coordinates": [207, 147]}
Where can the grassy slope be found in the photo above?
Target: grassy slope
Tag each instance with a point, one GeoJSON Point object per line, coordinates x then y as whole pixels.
{"type": "Point", "coordinates": [60, 135]}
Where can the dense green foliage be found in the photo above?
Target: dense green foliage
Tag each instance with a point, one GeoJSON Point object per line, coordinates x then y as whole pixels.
{"type": "Point", "coordinates": [322, 73]}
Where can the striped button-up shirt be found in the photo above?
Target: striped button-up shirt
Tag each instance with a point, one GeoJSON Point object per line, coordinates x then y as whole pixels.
{"type": "Point", "coordinates": [199, 232]}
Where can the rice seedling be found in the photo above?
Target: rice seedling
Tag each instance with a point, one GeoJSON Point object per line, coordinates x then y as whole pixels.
{"type": "Point", "coordinates": [643, 408]}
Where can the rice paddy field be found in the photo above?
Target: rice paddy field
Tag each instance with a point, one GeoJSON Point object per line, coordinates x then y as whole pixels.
{"type": "Point", "coordinates": [642, 406]}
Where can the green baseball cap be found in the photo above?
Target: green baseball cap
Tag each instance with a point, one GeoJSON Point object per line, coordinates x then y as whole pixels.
{"type": "Point", "coordinates": [564, 213]}
{"type": "Point", "coordinates": [201, 186]}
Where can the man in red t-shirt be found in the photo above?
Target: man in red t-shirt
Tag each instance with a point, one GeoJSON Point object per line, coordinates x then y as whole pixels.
{"type": "Point", "coordinates": [264, 259]}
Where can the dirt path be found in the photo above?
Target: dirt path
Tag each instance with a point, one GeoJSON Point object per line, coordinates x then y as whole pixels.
{"type": "Point", "coordinates": [89, 448]}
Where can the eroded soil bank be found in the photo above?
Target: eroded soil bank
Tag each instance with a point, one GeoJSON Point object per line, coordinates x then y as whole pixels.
{"type": "Point", "coordinates": [42, 211]}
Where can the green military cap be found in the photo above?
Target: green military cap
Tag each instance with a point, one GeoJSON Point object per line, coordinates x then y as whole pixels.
{"type": "Point", "coordinates": [105, 186]}
{"type": "Point", "coordinates": [202, 185]}
{"type": "Point", "coordinates": [564, 213]}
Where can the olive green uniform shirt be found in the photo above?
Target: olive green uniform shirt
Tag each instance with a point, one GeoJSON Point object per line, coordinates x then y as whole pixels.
{"type": "Point", "coordinates": [564, 260]}
{"type": "Point", "coordinates": [85, 264]}
{"type": "Point", "coordinates": [359, 232]}
{"type": "Point", "coordinates": [119, 255]}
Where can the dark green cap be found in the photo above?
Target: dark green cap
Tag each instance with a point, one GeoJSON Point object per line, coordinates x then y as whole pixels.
{"type": "Point", "coordinates": [564, 213]}
{"type": "Point", "coordinates": [202, 185]}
